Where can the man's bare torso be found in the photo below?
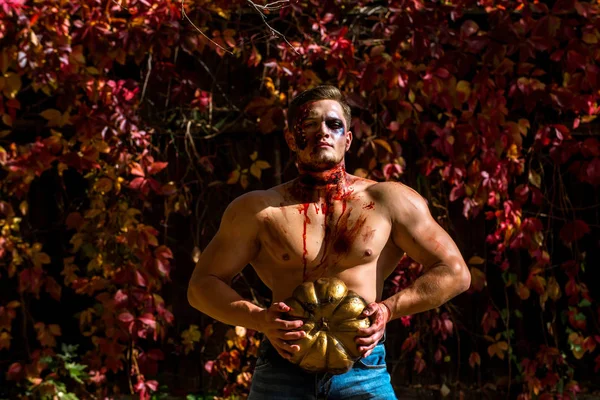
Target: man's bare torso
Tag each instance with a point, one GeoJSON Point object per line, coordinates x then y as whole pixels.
{"type": "Point", "coordinates": [308, 234]}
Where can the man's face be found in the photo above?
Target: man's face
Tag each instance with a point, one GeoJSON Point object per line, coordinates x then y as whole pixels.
{"type": "Point", "coordinates": [319, 136]}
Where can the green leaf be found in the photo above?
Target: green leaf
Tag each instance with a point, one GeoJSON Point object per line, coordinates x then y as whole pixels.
{"type": "Point", "coordinates": [584, 303]}
{"type": "Point", "coordinates": [580, 317]}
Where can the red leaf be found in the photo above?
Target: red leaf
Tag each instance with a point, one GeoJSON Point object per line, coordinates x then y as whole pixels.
{"type": "Point", "coordinates": [15, 372]}
{"type": "Point", "coordinates": [163, 252]}
{"type": "Point", "coordinates": [74, 220]}
{"type": "Point", "coordinates": [457, 192]}
{"type": "Point", "coordinates": [140, 279]}
{"type": "Point", "coordinates": [152, 385]}
{"type": "Point", "coordinates": [419, 365]}
{"type": "Point", "coordinates": [209, 366]}
{"type": "Point", "coordinates": [163, 266]}
{"type": "Point", "coordinates": [442, 73]}
{"type": "Point", "coordinates": [125, 317]}
{"type": "Point", "coordinates": [155, 185]}
{"type": "Point", "coordinates": [469, 28]}
{"type": "Point", "coordinates": [136, 183]}
{"type": "Point", "coordinates": [522, 192]}
{"type": "Point", "coordinates": [474, 359]}
{"type": "Point", "coordinates": [156, 167]}
{"type": "Point", "coordinates": [136, 169]}
{"type": "Point", "coordinates": [573, 231]}
{"type": "Point", "coordinates": [148, 319]}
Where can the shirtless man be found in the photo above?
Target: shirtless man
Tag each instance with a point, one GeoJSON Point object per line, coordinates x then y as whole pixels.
{"type": "Point", "coordinates": [325, 223]}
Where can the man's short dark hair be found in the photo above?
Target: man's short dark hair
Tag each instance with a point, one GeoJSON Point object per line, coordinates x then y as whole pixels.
{"type": "Point", "coordinates": [323, 92]}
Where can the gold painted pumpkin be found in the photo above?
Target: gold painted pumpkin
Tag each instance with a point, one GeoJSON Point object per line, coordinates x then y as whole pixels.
{"type": "Point", "coordinates": [331, 319]}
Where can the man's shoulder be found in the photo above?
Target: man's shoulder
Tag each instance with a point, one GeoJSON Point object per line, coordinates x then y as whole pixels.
{"type": "Point", "coordinates": [397, 195]}
{"type": "Point", "coordinates": [391, 188]}
{"type": "Point", "coordinates": [255, 201]}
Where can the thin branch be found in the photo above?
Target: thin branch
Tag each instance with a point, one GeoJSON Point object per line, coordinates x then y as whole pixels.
{"type": "Point", "coordinates": [119, 4]}
{"type": "Point", "coordinates": [276, 5]}
{"type": "Point", "coordinates": [209, 72]}
{"type": "Point", "coordinates": [147, 77]}
{"type": "Point", "coordinates": [274, 32]}
{"type": "Point", "coordinates": [184, 14]}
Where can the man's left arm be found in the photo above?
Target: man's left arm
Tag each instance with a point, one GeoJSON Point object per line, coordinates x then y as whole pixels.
{"type": "Point", "coordinates": [445, 273]}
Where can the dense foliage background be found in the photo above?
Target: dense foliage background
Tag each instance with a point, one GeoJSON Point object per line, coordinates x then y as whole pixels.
{"type": "Point", "coordinates": [128, 126]}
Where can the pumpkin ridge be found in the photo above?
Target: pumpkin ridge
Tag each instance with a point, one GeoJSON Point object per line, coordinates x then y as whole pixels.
{"type": "Point", "coordinates": [304, 355]}
{"type": "Point", "coordinates": [339, 303]}
{"type": "Point", "coordinates": [327, 350]}
{"type": "Point", "coordinates": [342, 345]}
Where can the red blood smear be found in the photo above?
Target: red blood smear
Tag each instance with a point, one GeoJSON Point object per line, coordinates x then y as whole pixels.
{"type": "Point", "coordinates": [305, 252]}
{"type": "Point", "coordinates": [346, 235]}
{"type": "Point", "coordinates": [369, 206]}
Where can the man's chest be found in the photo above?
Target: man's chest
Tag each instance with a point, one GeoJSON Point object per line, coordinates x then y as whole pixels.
{"type": "Point", "coordinates": [320, 236]}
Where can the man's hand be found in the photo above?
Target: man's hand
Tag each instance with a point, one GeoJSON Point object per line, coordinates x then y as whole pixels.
{"type": "Point", "coordinates": [368, 338]}
{"type": "Point", "coordinates": [280, 331]}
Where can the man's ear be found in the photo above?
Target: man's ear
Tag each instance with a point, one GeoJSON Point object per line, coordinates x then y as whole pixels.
{"type": "Point", "coordinates": [348, 140]}
{"type": "Point", "coordinates": [290, 140]}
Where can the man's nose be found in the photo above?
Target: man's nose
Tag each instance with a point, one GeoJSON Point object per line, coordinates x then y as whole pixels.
{"type": "Point", "coordinates": [323, 131]}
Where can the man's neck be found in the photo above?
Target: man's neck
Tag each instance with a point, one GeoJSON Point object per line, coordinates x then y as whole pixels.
{"type": "Point", "coordinates": [332, 183]}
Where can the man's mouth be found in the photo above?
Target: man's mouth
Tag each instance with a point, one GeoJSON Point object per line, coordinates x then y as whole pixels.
{"type": "Point", "coordinates": [324, 145]}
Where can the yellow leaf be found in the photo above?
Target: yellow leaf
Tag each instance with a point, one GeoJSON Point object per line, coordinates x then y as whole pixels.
{"type": "Point", "coordinates": [7, 119]}
{"type": "Point", "coordinates": [464, 88]}
{"type": "Point", "coordinates": [54, 329]}
{"type": "Point", "coordinates": [240, 331]}
{"type": "Point", "coordinates": [234, 176]}
{"type": "Point", "coordinates": [372, 163]}
{"type": "Point", "coordinates": [5, 133]}
{"type": "Point", "coordinates": [361, 173]}
{"type": "Point", "coordinates": [255, 170]}
{"type": "Point", "coordinates": [5, 340]}
{"type": "Point", "coordinates": [513, 152]}
{"type": "Point", "coordinates": [12, 85]}
{"type": "Point", "coordinates": [524, 126]}
{"type": "Point", "coordinates": [498, 349]}
{"type": "Point", "coordinates": [270, 85]}
{"type": "Point", "coordinates": [553, 289]}
{"type": "Point", "coordinates": [254, 155]}
{"type": "Point", "coordinates": [476, 260]}
{"type": "Point", "coordinates": [411, 96]}
{"type": "Point", "coordinates": [244, 181]}
{"type": "Point", "coordinates": [13, 304]}
{"type": "Point", "coordinates": [384, 144]}
{"type": "Point", "coordinates": [262, 164]}
{"type": "Point", "coordinates": [589, 38]}
{"type": "Point", "coordinates": [24, 207]}
{"type": "Point", "coordinates": [588, 118]}
{"type": "Point", "coordinates": [535, 179]}
{"type": "Point", "coordinates": [103, 185]}
{"type": "Point", "coordinates": [41, 258]}
{"type": "Point", "coordinates": [522, 291]}
{"type": "Point", "coordinates": [53, 116]}
{"type": "Point", "coordinates": [196, 254]}
{"type": "Point", "coordinates": [478, 280]}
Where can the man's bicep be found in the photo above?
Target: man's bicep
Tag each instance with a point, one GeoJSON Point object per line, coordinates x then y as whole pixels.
{"type": "Point", "coordinates": [417, 233]}
{"type": "Point", "coordinates": [233, 247]}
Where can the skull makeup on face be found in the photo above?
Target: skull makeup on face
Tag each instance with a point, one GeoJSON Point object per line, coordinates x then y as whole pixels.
{"type": "Point", "coordinates": [320, 135]}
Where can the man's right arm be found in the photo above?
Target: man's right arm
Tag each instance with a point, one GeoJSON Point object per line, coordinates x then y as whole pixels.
{"type": "Point", "coordinates": [233, 247]}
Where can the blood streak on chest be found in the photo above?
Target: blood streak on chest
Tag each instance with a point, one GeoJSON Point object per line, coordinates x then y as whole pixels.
{"type": "Point", "coordinates": [304, 209]}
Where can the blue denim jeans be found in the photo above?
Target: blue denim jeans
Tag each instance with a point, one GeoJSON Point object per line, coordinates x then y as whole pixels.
{"type": "Point", "coordinates": [276, 378]}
